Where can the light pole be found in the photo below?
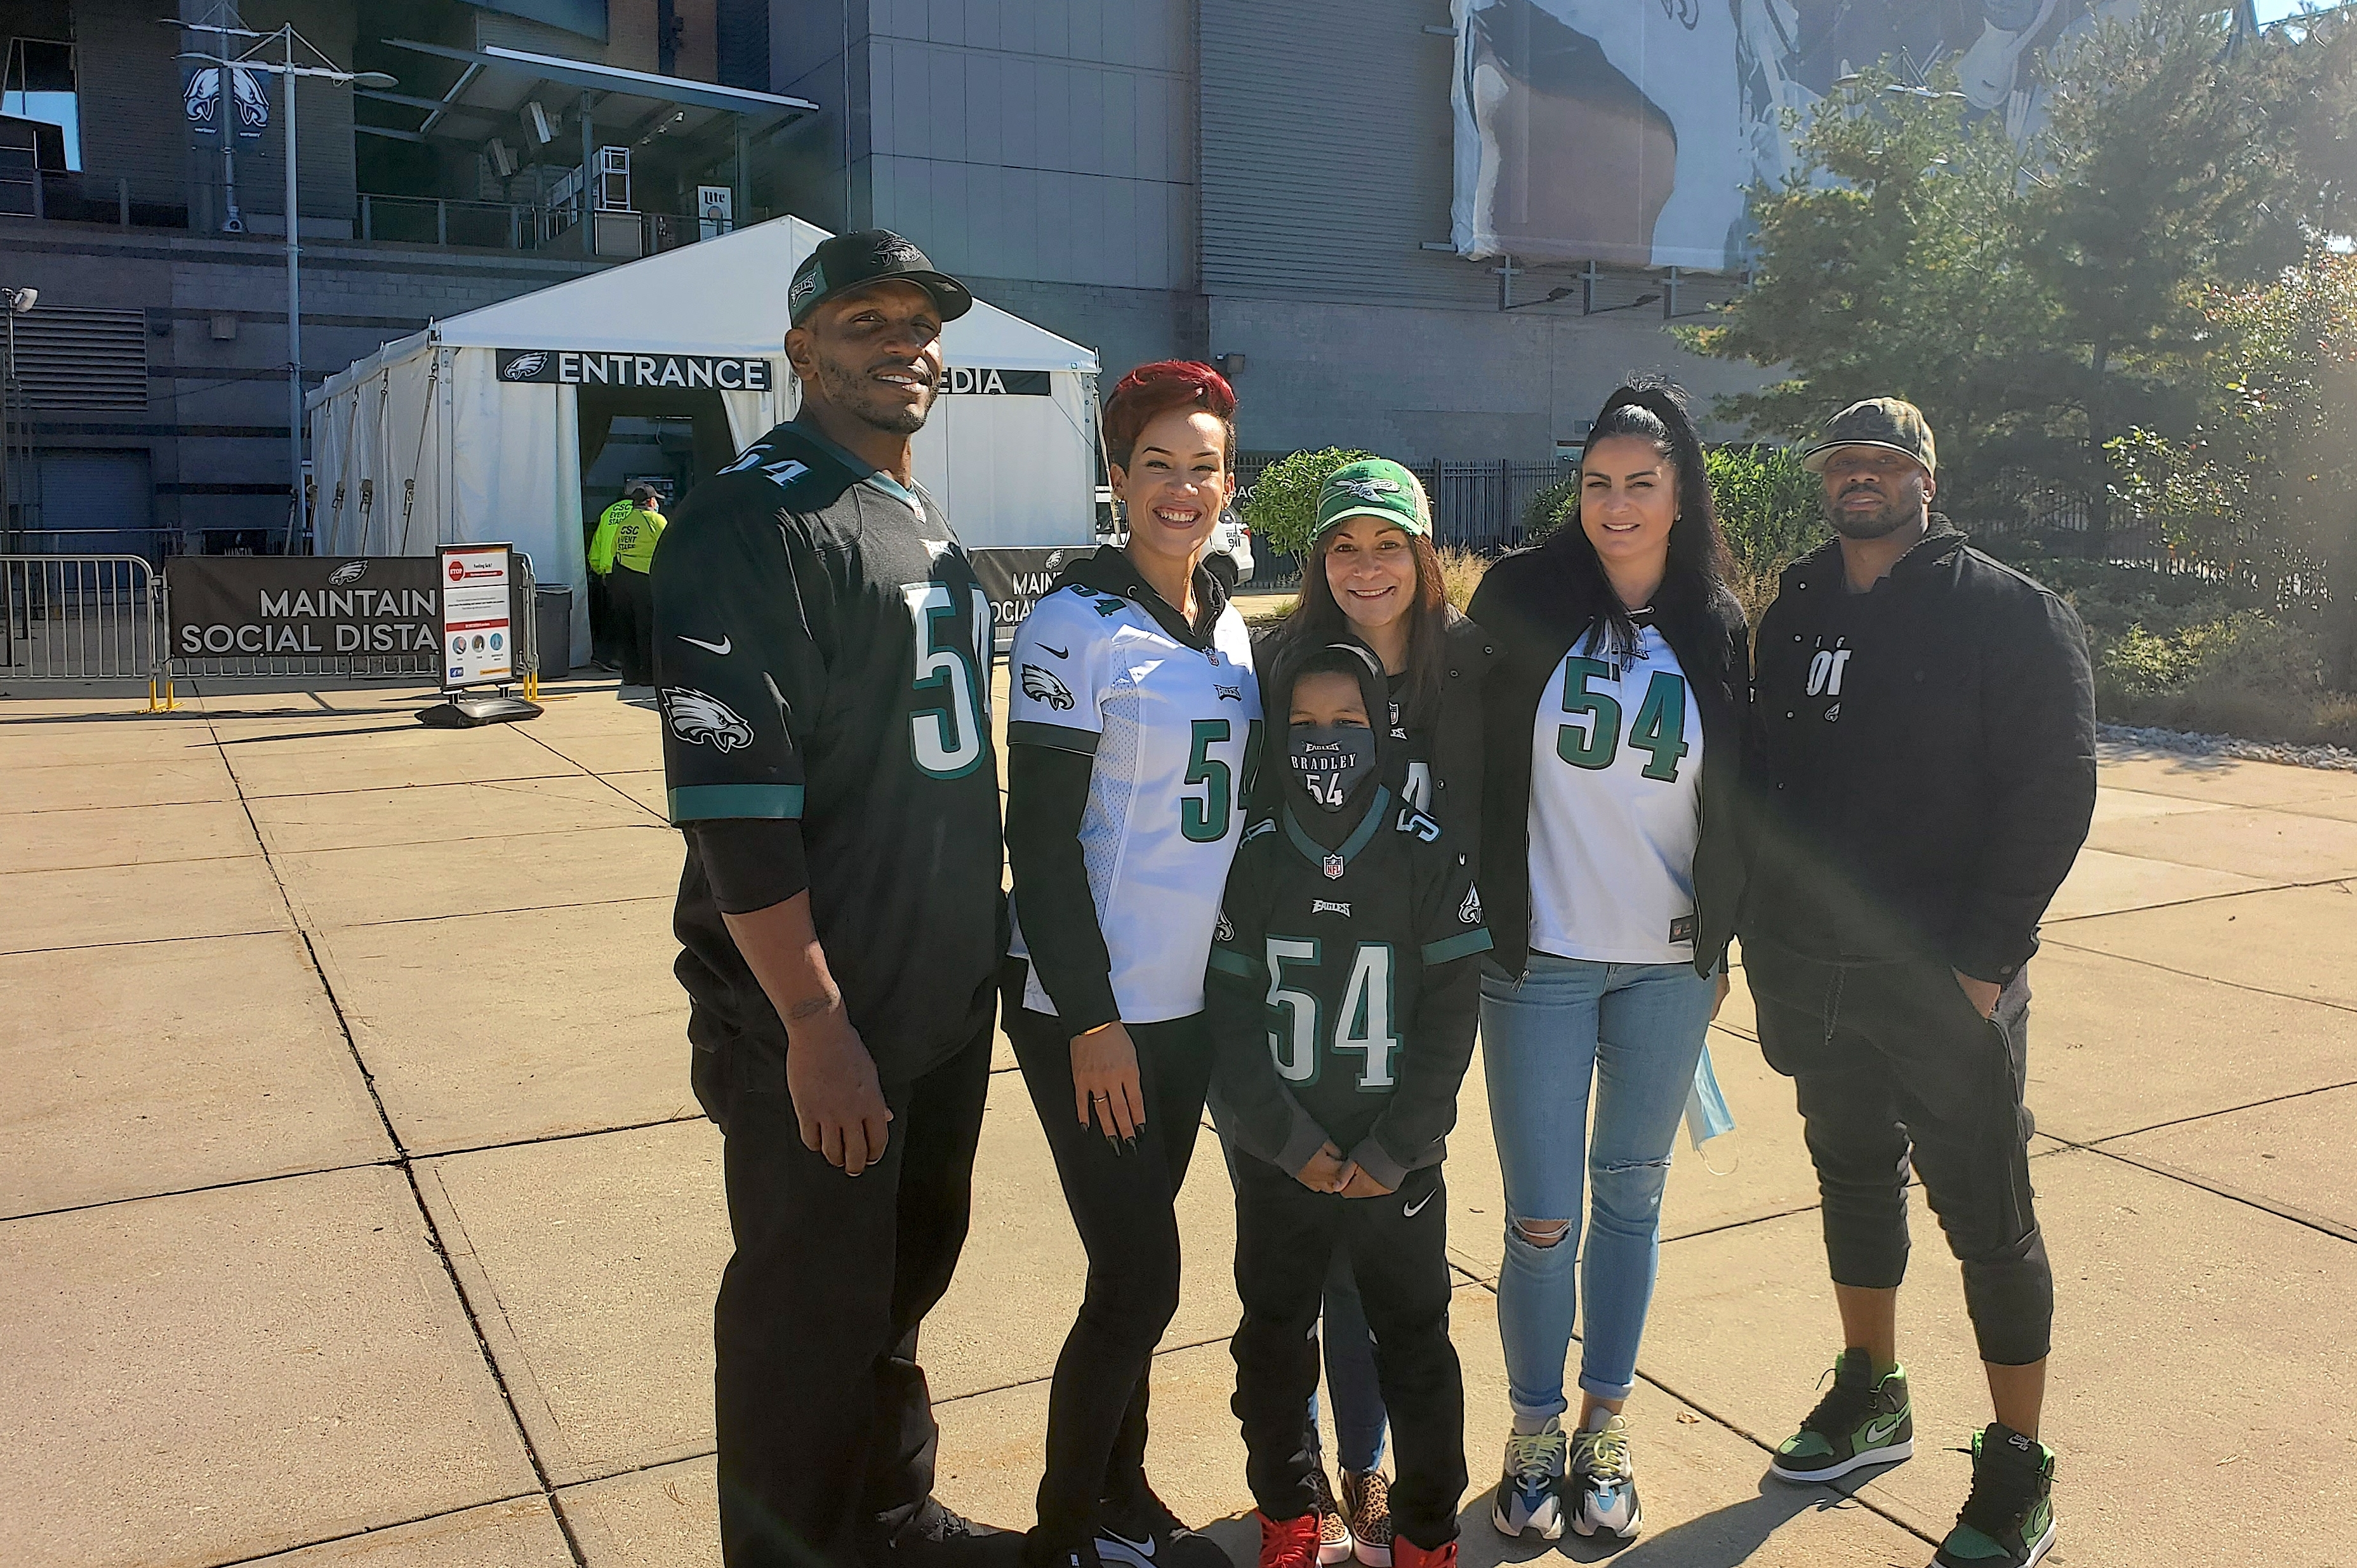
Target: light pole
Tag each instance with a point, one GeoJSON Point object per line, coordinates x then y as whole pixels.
{"type": "Point", "coordinates": [288, 37]}
{"type": "Point", "coordinates": [14, 302]}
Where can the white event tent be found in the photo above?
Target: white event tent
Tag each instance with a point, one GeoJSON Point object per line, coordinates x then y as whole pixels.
{"type": "Point", "coordinates": [423, 443]}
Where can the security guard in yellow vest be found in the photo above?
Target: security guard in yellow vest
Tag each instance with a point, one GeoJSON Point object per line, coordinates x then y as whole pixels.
{"type": "Point", "coordinates": [621, 552]}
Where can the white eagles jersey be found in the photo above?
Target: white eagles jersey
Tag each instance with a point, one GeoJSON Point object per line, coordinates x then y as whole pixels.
{"type": "Point", "coordinates": [1174, 731]}
{"type": "Point", "coordinates": [1616, 807]}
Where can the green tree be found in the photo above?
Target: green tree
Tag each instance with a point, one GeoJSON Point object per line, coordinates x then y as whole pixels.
{"type": "Point", "coordinates": [2035, 299]}
{"type": "Point", "coordinates": [1282, 507]}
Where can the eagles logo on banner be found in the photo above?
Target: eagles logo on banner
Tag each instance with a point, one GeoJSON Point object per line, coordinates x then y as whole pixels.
{"type": "Point", "coordinates": [590, 368]}
{"type": "Point", "coordinates": [202, 100]}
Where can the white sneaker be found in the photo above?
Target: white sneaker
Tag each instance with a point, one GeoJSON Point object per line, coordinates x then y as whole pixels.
{"type": "Point", "coordinates": [1530, 1494]}
{"type": "Point", "coordinates": [1607, 1482]}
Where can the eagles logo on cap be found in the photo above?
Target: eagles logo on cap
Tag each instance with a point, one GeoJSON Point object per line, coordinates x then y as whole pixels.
{"type": "Point", "coordinates": [1376, 487]}
{"type": "Point", "coordinates": [848, 261]}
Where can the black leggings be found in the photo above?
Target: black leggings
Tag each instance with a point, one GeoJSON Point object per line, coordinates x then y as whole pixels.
{"type": "Point", "coordinates": [1892, 1068]}
{"type": "Point", "coordinates": [1123, 1204]}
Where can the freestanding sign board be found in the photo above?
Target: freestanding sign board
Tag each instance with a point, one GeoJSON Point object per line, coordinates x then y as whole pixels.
{"type": "Point", "coordinates": [477, 617]}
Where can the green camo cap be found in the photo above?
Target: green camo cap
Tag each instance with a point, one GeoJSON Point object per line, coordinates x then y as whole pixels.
{"type": "Point", "coordinates": [1887, 422]}
{"type": "Point", "coordinates": [1376, 487]}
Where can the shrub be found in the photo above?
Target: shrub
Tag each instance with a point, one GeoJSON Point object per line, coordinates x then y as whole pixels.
{"type": "Point", "coordinates": [1768, 505]}
{"type": "Point", "coordinates": [1282, 507]}
{"type": "Point", "coordinates": [2246, 673]}
{"type": "Point", "coordinates": [1545, 511]}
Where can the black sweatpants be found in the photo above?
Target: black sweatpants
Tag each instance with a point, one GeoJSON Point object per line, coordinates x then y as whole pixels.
{"type": "Point", "coordinates": [1285, 1236]}
{"type": "Point", "coordinates": [632, 593]}
{"type": "Point", "coordinates": [825, 1425]}
{"type": "Point", "coordinates": [1893, 1067]}
{"type": "Point", "coordinates": [1124, 1203]}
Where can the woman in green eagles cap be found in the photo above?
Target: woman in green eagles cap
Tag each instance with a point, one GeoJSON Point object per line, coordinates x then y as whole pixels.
{"type": "Point", "coordinates": [1373, 575]}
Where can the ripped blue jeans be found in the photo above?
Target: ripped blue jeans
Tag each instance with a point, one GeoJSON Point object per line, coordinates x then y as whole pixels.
{"type": "Point", "coordinates": [1634, 1031]}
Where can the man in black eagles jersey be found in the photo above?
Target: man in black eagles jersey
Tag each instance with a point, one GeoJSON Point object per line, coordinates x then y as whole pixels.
{"type": "Point", "coordinates": [822, 650]}
{"type": "Point", "coordinates": [1342, 1003]}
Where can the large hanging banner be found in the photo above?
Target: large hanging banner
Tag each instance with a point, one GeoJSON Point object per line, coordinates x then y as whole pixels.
{"type": "Point", "coordinates": [1628, 131]}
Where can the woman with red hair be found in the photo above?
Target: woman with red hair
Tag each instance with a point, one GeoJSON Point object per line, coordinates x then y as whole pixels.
{"type": "Point", "coordinates": [1132, 721]}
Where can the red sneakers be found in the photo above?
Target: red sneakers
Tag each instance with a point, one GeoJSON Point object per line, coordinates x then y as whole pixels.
{"type": "Point", "coordinates": [1406, 1553]}
{"type": "Point", "coordinates": [1291, 1542]}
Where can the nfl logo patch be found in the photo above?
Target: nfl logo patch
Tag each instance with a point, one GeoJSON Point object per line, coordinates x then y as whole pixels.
{"type": "Point", "coordinates": [1334, 868]}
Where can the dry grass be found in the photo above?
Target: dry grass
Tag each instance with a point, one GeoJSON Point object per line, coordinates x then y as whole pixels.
{"type": "Point", "coordinates": [1460, 572]}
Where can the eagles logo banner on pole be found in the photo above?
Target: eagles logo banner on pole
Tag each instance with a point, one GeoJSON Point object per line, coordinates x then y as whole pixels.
{"type": "Point", "coordinates": [1631, 131]}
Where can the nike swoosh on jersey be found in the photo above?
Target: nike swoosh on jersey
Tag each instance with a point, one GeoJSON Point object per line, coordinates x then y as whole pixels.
{"type": "Point", "coordinates": [1058, 652]}
{"type": "Point", "coordinates": [1411, 1211]}
{"type": "Point", "coordinates": [721, 647]}
{"type": "Point", "coordinates": [1114, 1547]}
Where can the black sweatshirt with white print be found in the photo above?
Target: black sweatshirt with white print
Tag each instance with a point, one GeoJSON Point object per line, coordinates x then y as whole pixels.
{"type": "Point", "coordinates": [1922, 759]}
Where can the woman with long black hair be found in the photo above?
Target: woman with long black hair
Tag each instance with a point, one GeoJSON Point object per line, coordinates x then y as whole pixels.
{"type": "Point", "coordinates": [1611, 876]}
{"type": "Point", "coordinates": [1133, 722]}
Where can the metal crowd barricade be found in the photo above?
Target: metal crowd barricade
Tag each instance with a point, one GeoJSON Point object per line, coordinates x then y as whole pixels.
{"type": "Point", "coordinates": [84, 618]}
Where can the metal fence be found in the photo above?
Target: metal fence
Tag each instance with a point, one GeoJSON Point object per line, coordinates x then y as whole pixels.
{"type": "Point", "coordinates": [81, 617]}
{"type": "Point", "coordinates": [101, 617]}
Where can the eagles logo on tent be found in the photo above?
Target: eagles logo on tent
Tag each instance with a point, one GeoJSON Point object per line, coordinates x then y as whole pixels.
{"type": "Point", "coordinates": [350, 571]}
{"type": "Point", "coordinates": [703, 720]}
{"type": "Point", "coordinates": [524, 366]}
{"type": "Point", "coordinates": [1369, 490]}
{"type": "Point", "coordinates": [1041, 686]}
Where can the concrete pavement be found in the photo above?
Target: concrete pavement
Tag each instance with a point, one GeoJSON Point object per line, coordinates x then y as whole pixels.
{"type": "Point", "coordinates": [354, 1211]}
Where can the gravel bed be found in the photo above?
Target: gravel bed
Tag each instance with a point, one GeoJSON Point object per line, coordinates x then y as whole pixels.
{"type": "Point", "coordinates": [2186, 743]}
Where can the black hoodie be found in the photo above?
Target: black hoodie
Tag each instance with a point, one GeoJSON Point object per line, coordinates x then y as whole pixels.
{"type": "Point", "coordinates": [1362, 1035]}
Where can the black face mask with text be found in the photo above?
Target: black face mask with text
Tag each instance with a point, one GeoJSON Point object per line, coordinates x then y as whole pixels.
{"type": "Point", "coordinates": [1329, 761]}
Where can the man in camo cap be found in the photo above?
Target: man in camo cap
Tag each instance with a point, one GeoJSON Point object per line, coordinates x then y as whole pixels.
{"type": "Point", "coordinates": [1923, 751]}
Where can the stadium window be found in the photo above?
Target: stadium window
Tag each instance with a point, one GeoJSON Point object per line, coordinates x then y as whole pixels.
{"type": "Point", "coordinates": [37, 82]}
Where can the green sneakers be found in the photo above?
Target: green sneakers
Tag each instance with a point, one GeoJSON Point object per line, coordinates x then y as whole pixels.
{"type": "Point", "coordinates": [1863, 1420]}
{"type": "Point", "coordinates": [2009, 1520]}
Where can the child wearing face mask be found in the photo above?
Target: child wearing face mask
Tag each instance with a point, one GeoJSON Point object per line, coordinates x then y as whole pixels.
{"type": "Point", "coordinates": [1343, 996]}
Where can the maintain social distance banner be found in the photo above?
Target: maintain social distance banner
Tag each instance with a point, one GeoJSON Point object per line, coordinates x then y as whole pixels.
{"type": "Point", "coordinates": [298, 607]}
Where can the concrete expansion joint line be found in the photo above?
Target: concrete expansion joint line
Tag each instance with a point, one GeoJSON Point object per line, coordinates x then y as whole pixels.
{"type": "Point", "coordinates": [2211, 979]}
{"type": "Point", "coordinates": [2194, 898]}
{"type": "Point", "coordinates": [279, 1553]}
{"type": "Point", "coordinates": [403, 1162]}
{"type": "Point", "coordinates": [661, 819]}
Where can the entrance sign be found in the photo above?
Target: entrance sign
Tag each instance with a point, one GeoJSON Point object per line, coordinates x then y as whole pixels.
{"type": "Point", "coordinates": [477, 615]}
{"type": "Point", "coordinates": [581, 368]}
{"type": "Point", "coordinates": [301, 606]}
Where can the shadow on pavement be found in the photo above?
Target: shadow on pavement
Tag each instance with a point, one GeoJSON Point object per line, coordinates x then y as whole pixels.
{"type": "Point", "coordinates": [1724, 1537]}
